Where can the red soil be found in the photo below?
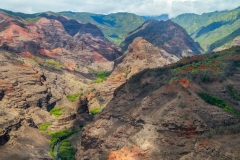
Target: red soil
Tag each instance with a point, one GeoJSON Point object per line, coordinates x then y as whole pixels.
{"type": "Point", "coordinates": [203, 67]}
{"type": "Point", "coordinates": [69, 66]}
{"type": "Point", "coordinates": [50, 53]}
{"type": "Point", "coordinates": [127, 153]}
{"type": "Point", "coordinates": [192, 58]}
{"type": "Point", "coordinates": [184, 82]}
{"type": "Point", "coordinates": [26, 54]}
{"type": "Point", "coordinates": [14, 33]}
{"type": "Point", "coordinates": [97, 56]}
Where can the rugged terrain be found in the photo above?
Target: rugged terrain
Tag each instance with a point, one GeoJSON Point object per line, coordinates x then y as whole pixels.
{"type": "Point", "coordinates": [61, 42]}
{"type": "Point", "coordinates": [214, 30]}
{"type": "Point", "coordinates": [114, 26]}
{"type": "Point", "coordinates": [161, 114]}
{"type": "Point", "coordinates": [166, 35]}
{"type": "Point", "coordinates": [145, 51]}
{"type": "Point", "coordinates": [57, 74]}
{"type": "Point", "coordinates": [140, 55]}
{"type": "Point", "coordinates": [43, 62]}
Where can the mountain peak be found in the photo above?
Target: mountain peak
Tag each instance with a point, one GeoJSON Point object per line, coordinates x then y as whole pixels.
{"type": "Point", "coordinates": [167, 35]}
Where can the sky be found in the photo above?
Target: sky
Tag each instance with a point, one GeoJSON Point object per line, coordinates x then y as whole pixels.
{"type": "Point", "coordinates": [139, 7]}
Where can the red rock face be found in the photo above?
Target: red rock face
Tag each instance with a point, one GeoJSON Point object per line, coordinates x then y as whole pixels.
{"type": "Point", "coordinates": [26, 54]}
{"type": "Point", "coordinates": [51, 53]}
{"type": "Point", "coordinates": [60, 39]}
{"type": "Point", "coordinates": [130, 153]}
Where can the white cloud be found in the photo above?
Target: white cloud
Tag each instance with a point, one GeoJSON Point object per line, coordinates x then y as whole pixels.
{"type": "Point", "coordinates": [140, 7]}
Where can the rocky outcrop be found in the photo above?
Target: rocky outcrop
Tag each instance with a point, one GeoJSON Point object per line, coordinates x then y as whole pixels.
{"type": "Point", "coordinates": [81, 105]}
{"type": "Point", "coordinates": [23, 87]}
{"type": "Point", "coordinates": [25, 98]}
{"type": "Point", "coordinates": [153, 116]}
{"type": "Point", "coordinates": [63, 40]}
{"type": "Point", "coordinates": [66, 120]}
{"type": "Point", "coordinates": [166, 35]}
{"type": "Point", "coordinates": [140, 55]}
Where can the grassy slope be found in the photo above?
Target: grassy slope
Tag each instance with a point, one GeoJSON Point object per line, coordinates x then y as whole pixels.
{"type": "Point", "coordinates": [114, 26]}
{"type": "Point", "coordinates": [228, 22]}
{"type": "Point", "coordinates": [217, 35]}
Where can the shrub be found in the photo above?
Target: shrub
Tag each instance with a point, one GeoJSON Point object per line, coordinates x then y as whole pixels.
{"type": "Point", "coordinates": [182, 105]}
{"type": "Point", "coordinates": [66, 151]}
{"type": "Point", "coordinates": [57, 137]}
{"type": "Point", "coordinates": [217, 101]}
{"type": "Point", "coordinates": [44, 127]}
{"type": "Point", "coordinates": [101, 76]}
{"type": "Point", "coordinates": [57, 112]}
{"type": "Point", "coordinates": [54, 64]}
{"type": "Point", "coordinates": [73, 97]}
{"type": "Point", "coordinates": [233, 92]}
{"type": "Point", "coordinates": [96, 110]}
{"type": "Point", "coordinates": [205, 76]}
{"type": "Point", "coordinates": [233, 129]}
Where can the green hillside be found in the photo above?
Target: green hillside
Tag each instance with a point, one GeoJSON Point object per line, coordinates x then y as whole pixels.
{"type": "Point", "coordinates": [114, 26]}
{"type": "Point", "coordinates": [211, 30]}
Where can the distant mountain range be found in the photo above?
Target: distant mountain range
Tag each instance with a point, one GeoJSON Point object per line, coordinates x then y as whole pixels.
{"type": "Point", "coordinates": [162, 17]}
{"type": "Point", "coordinates": [212, 30]}
{"type": "Point", "coordinates": [114, 26]}
{"type": "Point", "coordinates": [158, 96]}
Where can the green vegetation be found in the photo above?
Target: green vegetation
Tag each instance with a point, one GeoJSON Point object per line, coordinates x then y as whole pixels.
{"type": "Point", "coordinates": [217, 101]}
{"type": "Point", "coordinates": [182, 105]}
{"type": "Point", "coordinates": [57, 137]}
{"type": "Point", "coordinates": [205, 68]}
{"type": "Point", "coordinates": [73, 97]}
{"type": "Point", "coordinates": [96, 110]}
{"type": "Point", "coordinates": [33, 20]}
{"type": "Point", "coordinates": [101, 76]}
{"type": "Point", "coordinates": [66, 151]}
{"type": "Point", "coordinates": [57, 112]}
{"type": "Point", "coordinates": [114, 26]}
{"type": "Point", "coordinates": [213, 29]}
{"type": "Point", "coordinates": [233, 129]}
{"type": "Point", "coordinates": [44, 127]}
{"type": "Point", "coordinates": [233, 92]}
{"type": "Point", "coordinates": [54, 64]}
{"type": "Point", "coordinates": [21, 24]}
{"type": "Point", "coordinates": [26, 17]}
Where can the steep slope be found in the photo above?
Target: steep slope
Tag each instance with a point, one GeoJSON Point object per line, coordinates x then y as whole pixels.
{"type": "Point", "coordinates": [171, 113]}
{"type": "Point", "coordinates": [29, 93]}
{"type": "Point", "coordinates": [45, 65]}
{"type": "Point", "coordinates": [114, 26]}
{"type": "Point", "coordinates": [142, 55]}
{"type": "Point", "coordinates": [69, 44]}
{"type": "Point", "coordinates": [211, 30]}
{"type": "Point", "coordinates": [25, 98]}
{"type": "Point", "coordinates": [139, 56]}
{"type": "Point", "coordinates": [167, 35]}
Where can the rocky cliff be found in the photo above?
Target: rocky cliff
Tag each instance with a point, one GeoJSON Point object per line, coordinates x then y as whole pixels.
{"type": "Point", "coordinates": [73, 45]}
{"type": "Point", "coordinates": [25, 99]}
{"type": "Point", "coordinates": [166, 35]}
{"type": "Point", "coordinates": [140, 55]}
{"type": "Point", "coordinates": [159, 114]}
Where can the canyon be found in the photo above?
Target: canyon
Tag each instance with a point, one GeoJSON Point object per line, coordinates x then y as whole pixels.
{"type": "Point", "coordinates": [68, 92]}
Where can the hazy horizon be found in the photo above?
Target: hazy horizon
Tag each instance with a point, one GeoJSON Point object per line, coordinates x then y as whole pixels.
{"type": "Point", "coordinates": [139, 7]}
